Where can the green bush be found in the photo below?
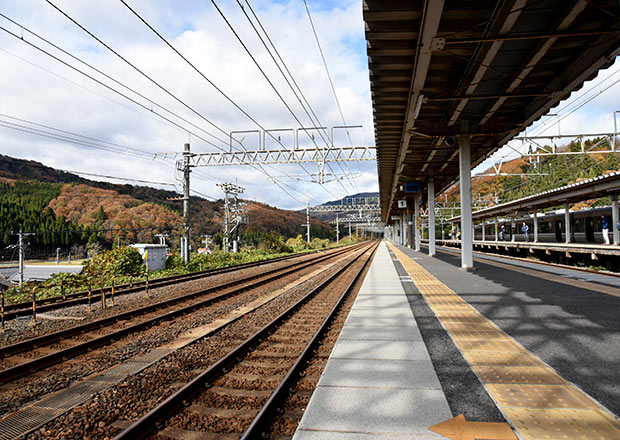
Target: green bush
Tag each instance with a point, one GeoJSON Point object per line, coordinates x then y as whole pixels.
{"type": "Point", "coordinates": [175, 262]}
{"type": "Point", "coordinates": [297, 244]}
{"type": "Point", "coordinates": [274, 244]}
{"type": "Point", "coordinates": [117, 262]}
{"type": "Point", "coordinates": [319, 243]}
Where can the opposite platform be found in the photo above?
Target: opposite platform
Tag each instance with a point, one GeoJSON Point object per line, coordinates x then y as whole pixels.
{"type": "Point", "coordinates": [379, 381]}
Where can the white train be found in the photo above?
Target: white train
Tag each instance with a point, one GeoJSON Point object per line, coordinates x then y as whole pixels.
{"type": "Point", "coordinates": [585, 227]}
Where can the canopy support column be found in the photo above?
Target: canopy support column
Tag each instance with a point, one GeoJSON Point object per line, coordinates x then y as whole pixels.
{"type": "Point", "coordinates": [410, 226]}
{"type": "Point", "coordinates": [467, 244]}
{"type": "Point", "coordinates": [614, 218]}
{"type": "Point", "coordinates": [431, 217]}
{"type": "Point", "coordinates": [535, 226]}
{"type": "Point", "coordinates": [567, 222]}
{"type": "Point", "coordinates": [417, 222]}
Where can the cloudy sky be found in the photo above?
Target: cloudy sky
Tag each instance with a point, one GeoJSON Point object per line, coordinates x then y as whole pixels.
{"type": "Point", "coordinates": [44, 95]}
{"type": "Point", "coordinates": [39, 89]}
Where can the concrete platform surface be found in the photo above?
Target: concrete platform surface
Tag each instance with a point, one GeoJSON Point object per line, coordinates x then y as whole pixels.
{"type": "Point", "coordinates": [379, 381]}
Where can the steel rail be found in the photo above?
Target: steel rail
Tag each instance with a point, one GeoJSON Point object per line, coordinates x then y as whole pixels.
{"type": "Point", "coordinates": [266, 413]}
{"type": "Point", "coordinates": [81, 297]}
{"type": "Point", "coordinates": [154, 418]}
{"type": "Point", "coordinates": [28, 367]}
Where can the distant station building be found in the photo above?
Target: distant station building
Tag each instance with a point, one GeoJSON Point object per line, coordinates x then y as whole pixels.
{"type": "Point", "coordinates": [156, 254]}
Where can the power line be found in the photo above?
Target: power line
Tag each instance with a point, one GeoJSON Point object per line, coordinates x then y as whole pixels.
{"type": "Point", "coordinates": [141, 73]}
{"type": "Point", "coordinates": [51, 135]}
{"type": "Point", "coordinates": [202, 75]}
{"type": "Point", "coordinates": [159, 85]}
{"type": "Point", "coordinates": [107, 86]}
{"type": "Point", "coordinates": [88, 138]}
{"type": "Point", "coordinates": [80, 85]}
{"type": "Point", "coordinates": [310, 113]}
{"type": "Point", "coordinates": [150, 101]}
{"type": "Point", "coordinates": [88, 229]}
{"type": "Point", "coordinates": [329, 77]}
{"type": "Point", "coordinates": [112, 89]}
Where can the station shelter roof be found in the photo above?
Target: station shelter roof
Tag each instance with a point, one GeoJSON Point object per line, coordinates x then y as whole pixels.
{"type": "Point", "coordinates": [594, 188]}
{"type": "Point", "coordinates": [485, 69]}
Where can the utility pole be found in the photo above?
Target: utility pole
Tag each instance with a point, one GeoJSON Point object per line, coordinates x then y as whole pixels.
{"type": "Point", "coordinates": [21, 248]}
{"type": "Point", "coordinates": [186, 171]}
{"type": "Point", "coordinates": [232, 214]}
{"type": "Point", "coordinates": [308, 221]}
{"type": "Point", "coordinates": [207, 240]}
{"type": "Point", "coordinates": [337, 231]}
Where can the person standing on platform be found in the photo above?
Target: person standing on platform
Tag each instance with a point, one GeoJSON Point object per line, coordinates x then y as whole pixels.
{"type": "Point", "coordinates": [502, 235]}
{"type": "Point", "coordinates": [526, 231]}
{"type": "Point", "coordinates": [605, 228]}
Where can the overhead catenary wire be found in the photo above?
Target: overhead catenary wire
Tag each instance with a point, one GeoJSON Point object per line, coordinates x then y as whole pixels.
{"type": "Point", "coordinates": [150, 110]}
{"type": "Point", "coordinates": [101, 95]}
{"type": "Point", "coordinates": [232, 29]}
{"type": "Point", "coordinates": [303, 101]}
{"type": "Point", "coordinates": [109, 77]}
{"type": "Point", "coordinates": [329, 76]}
{"type": "Point", "coordinates": [121, 84]}
{"type": "Point", "coordinates": [202, 75]}
{"type": "Point", "coordinates": [105, 85]}
{"type": "Point", "coordinates": [570, 107]}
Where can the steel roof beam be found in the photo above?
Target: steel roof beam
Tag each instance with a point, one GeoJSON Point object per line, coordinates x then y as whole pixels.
{"type": "Point", "coordinates": [511, 18]}
{"type": "Point", "coordinates": [577, 9]}
{"type": "Point", "coordinates": [431, 16]}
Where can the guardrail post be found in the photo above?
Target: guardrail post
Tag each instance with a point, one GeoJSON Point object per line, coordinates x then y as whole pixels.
{"type": "Point", "coordinates": [113, 303]}
{"type": "Point", "coordinates": [103, 303]}
{"type": "Point", "coordinates": [90, 295]}
{"type": "Point", "coordinates": [2, 311]}
{"type": "Point", "coordinates": [34, 305]}
{"type": "Point", "coordinates": [147, 283]}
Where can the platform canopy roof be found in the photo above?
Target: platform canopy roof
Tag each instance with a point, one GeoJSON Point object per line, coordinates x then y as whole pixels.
{"type": "Point", "coordinates": [597, 187]}
{"type": "Point", "coordinates": [485, 69]}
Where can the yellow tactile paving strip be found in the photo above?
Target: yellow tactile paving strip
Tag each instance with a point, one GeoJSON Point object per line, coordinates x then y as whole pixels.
{"type": "Point", "coordinates": [536, 400]}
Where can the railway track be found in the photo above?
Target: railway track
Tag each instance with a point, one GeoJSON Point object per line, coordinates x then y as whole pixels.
{"type": "Point", "coordinates": [25, 357]}
{"type": "Point", "coordinates": [66, 379]}
{"type": "Point", "coordinates": [12, 311]}
{"type": "Point", "coordinates": [130, 386]}
{"type": "Point", "coordinates": [240, 393]}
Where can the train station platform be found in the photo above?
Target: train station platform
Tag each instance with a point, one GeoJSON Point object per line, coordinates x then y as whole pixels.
{"type": "Point", "coordinates": [379, 381]}
{"type": "Point", "coordinates": [425, 342]}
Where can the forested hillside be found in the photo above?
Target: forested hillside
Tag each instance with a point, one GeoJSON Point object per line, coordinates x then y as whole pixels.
{"type": "Point", "coordinates": [65, 210]}
{"type": "Point", "coordinates": [24, 206]}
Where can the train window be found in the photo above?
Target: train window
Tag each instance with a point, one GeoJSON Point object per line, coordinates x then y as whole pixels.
{"type": "Point", "coordinates": [544, 227]}
{"type": "Point", "coordinates": [578, 225]}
